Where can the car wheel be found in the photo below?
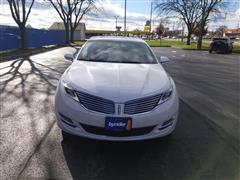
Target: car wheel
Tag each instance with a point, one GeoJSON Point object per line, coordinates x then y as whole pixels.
{"type": "Point", "coordinates": [210, 51]}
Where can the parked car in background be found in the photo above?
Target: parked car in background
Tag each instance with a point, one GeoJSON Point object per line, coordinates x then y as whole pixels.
{"type": "Point", "coordinates": [224, 45]}
{"type": "Point", "coordinates": [116, 89]}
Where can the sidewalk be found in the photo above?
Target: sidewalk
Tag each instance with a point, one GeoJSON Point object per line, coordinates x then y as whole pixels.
{"type": "Point", "coordinates": [16, 53]}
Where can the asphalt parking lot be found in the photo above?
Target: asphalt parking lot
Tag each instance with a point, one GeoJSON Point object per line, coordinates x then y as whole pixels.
{"type": "Point", "coordinates": [205, 144]}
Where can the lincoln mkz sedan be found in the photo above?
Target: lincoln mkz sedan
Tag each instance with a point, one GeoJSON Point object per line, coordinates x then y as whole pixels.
{"type": "Point", "coordinates": [117, 90]}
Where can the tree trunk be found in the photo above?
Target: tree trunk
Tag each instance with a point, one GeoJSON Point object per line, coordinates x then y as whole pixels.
{"type": "Point", "coordinates": [23, 37]}
{"type": "Point", "coordinates": [189, 38]}
{"type": "Point", "coordinates": [66, 33]}
{"type": "Point", "coordinates": [72, 35]}
{"type": "Point", "coordinates": [199, 42]}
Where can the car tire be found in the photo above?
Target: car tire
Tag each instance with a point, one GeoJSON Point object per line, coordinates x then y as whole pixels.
{"type": "Point", "coordinates": [210, 51]}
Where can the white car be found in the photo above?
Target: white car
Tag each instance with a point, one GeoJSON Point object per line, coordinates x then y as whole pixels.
{"type": "Point", "coordinates": [117, 90]}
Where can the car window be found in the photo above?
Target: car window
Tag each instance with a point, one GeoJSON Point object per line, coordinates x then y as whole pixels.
{"type": "Point", "coordinates": [117, 51]}
{"type": "Point", "coordinates": [220, 39]}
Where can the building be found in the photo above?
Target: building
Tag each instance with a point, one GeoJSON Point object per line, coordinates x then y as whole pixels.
{"type": "Point", "coordinates": [91, 33]}
{"type": "Point", "coordinates": [234, 33]}
{"type": "Point", "coordinates": [79, 34]}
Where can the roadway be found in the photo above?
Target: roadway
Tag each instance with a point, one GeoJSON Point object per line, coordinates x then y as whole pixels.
{"type": "Point", "coordinates": [205, 144]}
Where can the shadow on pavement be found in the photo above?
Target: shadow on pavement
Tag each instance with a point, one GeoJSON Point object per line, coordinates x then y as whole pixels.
{"type": "Point", "coordinates": [111, 160]}
{"type": "Point", "coordinates": [27, 89]}
{"type": "Point", "coordinates": [24, 78]}
{"type": "Point", "coordinates": [194, 151]}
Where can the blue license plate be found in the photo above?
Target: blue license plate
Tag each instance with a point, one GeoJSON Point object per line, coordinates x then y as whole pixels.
{"type": "Point", "coordinates": [118, 123]}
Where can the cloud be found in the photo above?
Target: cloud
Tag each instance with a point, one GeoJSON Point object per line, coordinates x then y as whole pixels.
{"type": "Point", "coordinates": [108, 12]}
{"type": "Point", "coordinates": [38, 18]}
{"type": "Point", "coordinates": [238, 13]}
{"type": "Point", "coordinates": [43, 15]}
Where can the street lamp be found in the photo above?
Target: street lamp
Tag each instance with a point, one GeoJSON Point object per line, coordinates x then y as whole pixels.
{"type": "Point", "coordinates": [116, 17]}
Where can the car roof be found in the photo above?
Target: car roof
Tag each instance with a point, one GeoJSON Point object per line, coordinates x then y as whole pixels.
{"type": "Point", "coordinates": [116, 38]}
{"type": "Point", "coordinates": [221, 38]}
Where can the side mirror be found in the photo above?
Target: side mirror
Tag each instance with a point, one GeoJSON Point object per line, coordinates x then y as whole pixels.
{"type": "Point", "coordinates": [163, 60]}
{"type": "Point", "coordinates": [69, 57]}
{"type": "Point", "coordinates": [76, 52]}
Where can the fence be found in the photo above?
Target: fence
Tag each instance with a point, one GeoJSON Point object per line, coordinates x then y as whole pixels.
{"type": "Point", "coordinates": [10, 37]}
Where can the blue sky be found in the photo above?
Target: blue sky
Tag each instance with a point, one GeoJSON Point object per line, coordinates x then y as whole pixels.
{"type": "Point", "coordinates": [138, 11]}
{"type": "Point", "coordinates": [136, 6]}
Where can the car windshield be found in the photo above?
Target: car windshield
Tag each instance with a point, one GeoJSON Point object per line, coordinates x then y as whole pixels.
{"type": "Point", "coordinates": [116, 52]}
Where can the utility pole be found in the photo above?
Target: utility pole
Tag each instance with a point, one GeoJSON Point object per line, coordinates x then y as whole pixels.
{"type": "Point", "coordinates": [150, 28]}
{"type": "Point", "coordinates": [125, 18]}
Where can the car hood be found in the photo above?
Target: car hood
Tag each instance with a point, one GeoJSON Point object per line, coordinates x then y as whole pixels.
{"type": "Point", "coordinates": [117, 81]}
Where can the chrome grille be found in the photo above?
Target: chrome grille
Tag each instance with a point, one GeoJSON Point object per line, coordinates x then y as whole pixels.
{"type": "Point", "coordinates": [141, 105]}
{"type": "Point", "coordinates": [95, 103]}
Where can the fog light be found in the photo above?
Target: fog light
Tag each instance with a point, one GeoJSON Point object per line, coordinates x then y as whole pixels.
{"type": "Point", "coordinates": [168, 122]}
{"type": "Point", "coordinates": [67, 120]}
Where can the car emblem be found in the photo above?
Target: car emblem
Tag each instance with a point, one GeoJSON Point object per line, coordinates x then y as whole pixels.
{"type": "Point", "coordinates": [119, 109]}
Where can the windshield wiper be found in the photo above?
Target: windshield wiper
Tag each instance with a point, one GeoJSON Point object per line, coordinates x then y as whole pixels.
{"type": "Point", "coordinates": [133, 62]}
{"type": "Point", "coordinates": [103, 61]}
{"type": "Point", "coordinates": [81, 59]}
{"type": "Point", "coordinates": [91, 60]}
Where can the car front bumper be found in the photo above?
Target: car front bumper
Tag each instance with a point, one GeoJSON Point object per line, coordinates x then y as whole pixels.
{"type": "Point", "coordinates": [73, 118]}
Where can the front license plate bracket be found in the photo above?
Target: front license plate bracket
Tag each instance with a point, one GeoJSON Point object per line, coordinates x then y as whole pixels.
{"type": "Point", "coordinates": [118, 123]}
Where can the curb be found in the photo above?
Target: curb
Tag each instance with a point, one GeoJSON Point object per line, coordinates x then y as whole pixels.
{"type": "Point", "coordinates": [30, 52]}
{"type": "Point", "coordinates": [195, 49]}
{"type": "Point", "coordinates": [234, 52]}
{"type": "Point", "coordinates": [160, 46]}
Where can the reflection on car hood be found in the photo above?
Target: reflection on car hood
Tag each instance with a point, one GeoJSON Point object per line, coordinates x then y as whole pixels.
{"type": "Point", "coordinates": [117, 81]}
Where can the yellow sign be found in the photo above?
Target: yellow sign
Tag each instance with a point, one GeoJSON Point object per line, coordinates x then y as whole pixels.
{"type": "Point", "coordinates": [146, 28]}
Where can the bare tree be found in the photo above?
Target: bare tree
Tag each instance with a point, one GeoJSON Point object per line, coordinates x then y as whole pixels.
{"type": "Point", "coordinates": [71, 13]}
{"type": "Point", "coordinates": [64, 12]}
{"type": "Point", "coordinates": [160, 30]}
{"type": "Point", "coordinates": [187, 10]}
{"type": "Point", "coordinates": [79, 9]}
{"type": "Point", "coordinates": [20, 14]}
{"type": "Point", "coordinates": [198, 31]}
{"type": "Point", "coordinates": [206, 7]}
{"type": "Point", "coordinates": [220, 31]}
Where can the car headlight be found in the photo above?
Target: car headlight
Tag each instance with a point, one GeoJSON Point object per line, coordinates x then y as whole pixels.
{"type": "Point", "coordinates": [70, 92]}
{"type": "Point", "coordinates": [165, 96]}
